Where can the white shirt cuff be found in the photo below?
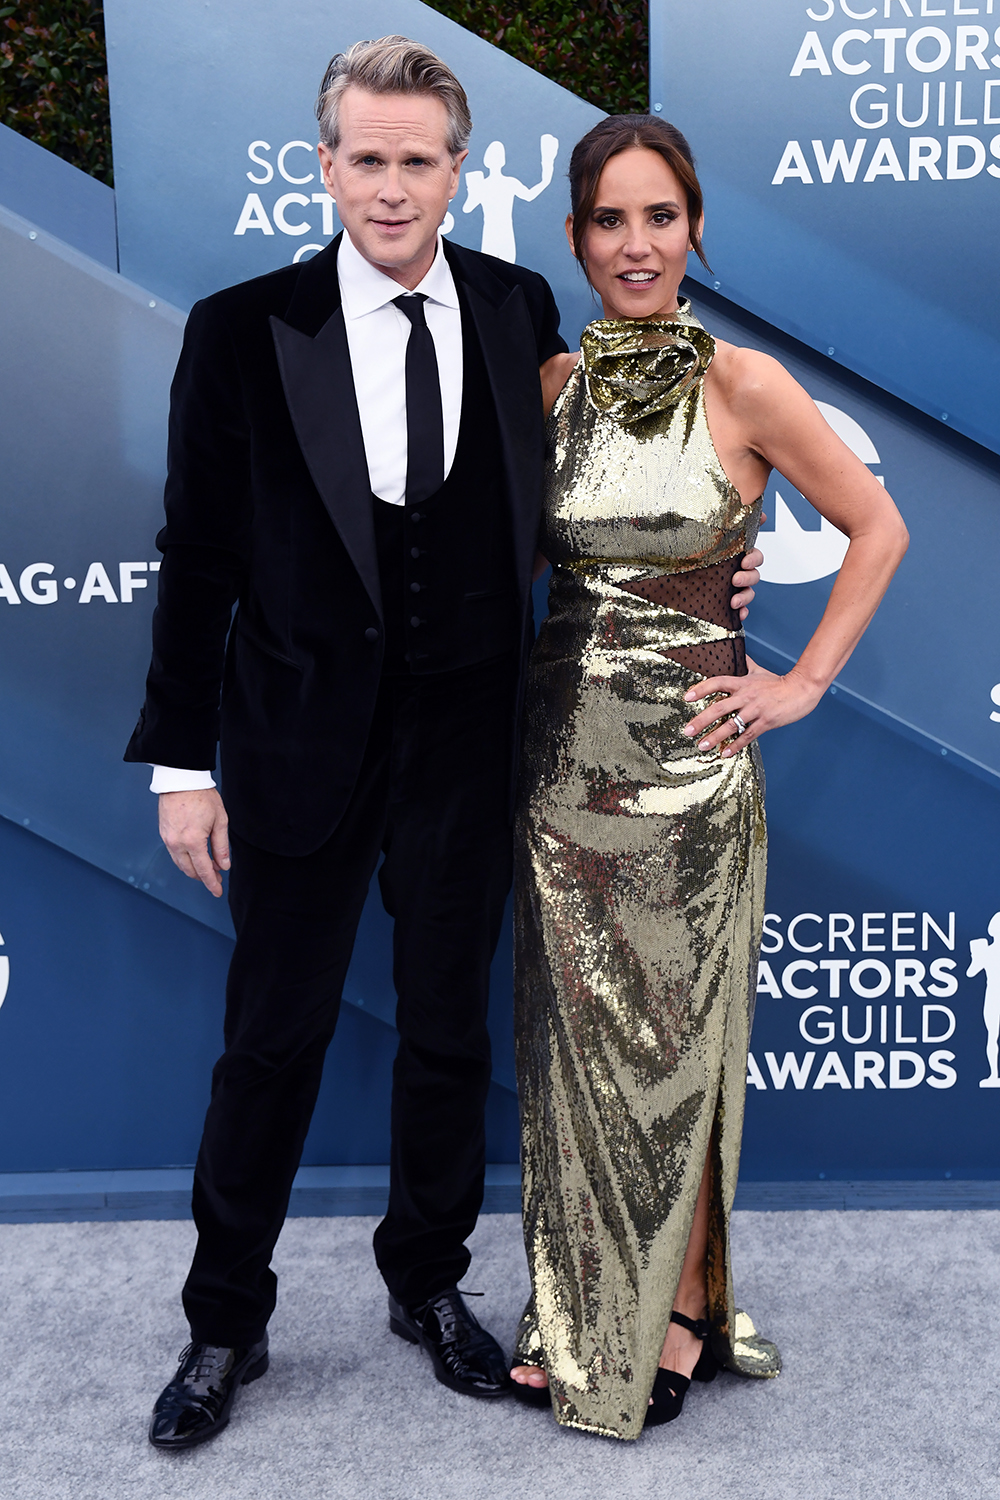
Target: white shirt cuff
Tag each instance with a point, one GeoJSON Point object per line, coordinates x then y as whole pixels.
{"type": "Point", "coordinates": [173, 779]}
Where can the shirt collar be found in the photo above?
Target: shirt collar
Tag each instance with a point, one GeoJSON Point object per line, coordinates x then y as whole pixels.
{"type": "Point", "coordinates": [364, 288]}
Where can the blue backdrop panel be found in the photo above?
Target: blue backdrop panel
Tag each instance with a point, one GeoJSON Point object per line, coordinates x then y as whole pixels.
{"type": "Point", "coordinates": [872, 810]}
{"type": "Point", "coordinates": [851, 157]}
{"type": "Point", "coordinates": [72, 206]}
{"type": "Point", "coordinates": [85, 364]}
{"type": "Point", "coordinates": [863, 822]}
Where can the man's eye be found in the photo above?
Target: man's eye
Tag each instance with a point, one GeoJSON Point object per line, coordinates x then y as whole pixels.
{"type": "Point", "coordinates": [369, 161]}
{"type": "Point", "coordinates": [417, 161]}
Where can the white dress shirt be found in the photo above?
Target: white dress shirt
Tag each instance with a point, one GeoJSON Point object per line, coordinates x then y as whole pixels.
{"type": "Point", "coordinates": [376, 338]}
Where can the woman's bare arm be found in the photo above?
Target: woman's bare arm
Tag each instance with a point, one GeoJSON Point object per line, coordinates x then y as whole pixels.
{"type": "Point", "coordinates": [782, 428]}
{"type": "Point", "coordinates": [554, 374]}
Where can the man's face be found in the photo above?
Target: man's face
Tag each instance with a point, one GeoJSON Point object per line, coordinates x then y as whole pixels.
{"type": "Point", "coordinates": [392, 177]}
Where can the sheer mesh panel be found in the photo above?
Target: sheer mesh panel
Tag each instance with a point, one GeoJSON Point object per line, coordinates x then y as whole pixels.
{"type": "Point", "coordinates": [704, 593]}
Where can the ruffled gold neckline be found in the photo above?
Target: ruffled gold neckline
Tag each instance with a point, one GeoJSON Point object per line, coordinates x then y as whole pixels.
{"type": "Point", "coordinates": [636, 368]}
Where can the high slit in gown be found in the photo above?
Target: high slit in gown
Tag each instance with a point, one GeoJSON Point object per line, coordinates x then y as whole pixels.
{"type": "Point", "coordinates": [640, 880]}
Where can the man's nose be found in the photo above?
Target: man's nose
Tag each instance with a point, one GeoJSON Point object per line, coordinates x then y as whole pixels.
{"type": "Point", "coordinates": [392, 189]}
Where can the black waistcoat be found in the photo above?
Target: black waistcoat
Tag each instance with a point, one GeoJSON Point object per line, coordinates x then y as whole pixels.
{"type": "Point", "coordinates": [446, 566]}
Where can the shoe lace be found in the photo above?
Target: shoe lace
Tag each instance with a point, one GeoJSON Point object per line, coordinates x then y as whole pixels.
{"type": "Point", "coordinates": [205, 1364]}
{"type": "Point", "coordinates": [448, 1310]}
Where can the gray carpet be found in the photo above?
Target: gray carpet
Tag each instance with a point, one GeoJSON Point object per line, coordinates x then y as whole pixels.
{"type": "Point", "coordinates": [889, 1324]}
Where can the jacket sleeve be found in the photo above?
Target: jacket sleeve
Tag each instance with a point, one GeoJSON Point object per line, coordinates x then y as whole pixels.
{"type": "Point", "coordinates": [544, 317]}
{"type": "Point", "coordinates": [205, 545]}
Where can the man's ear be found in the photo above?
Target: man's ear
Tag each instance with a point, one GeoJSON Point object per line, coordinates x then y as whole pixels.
{"type": "Point", "coordinates": [326, 167]}
{"type": "Point", "coordinates": [456, 172]}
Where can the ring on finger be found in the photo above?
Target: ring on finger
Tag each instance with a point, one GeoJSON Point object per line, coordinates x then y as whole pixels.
{"type": "Point", "coordinates": [741, 728]}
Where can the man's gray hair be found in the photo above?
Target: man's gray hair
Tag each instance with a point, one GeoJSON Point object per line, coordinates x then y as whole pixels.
{"type": "Point", "coordinates": [392, 65]}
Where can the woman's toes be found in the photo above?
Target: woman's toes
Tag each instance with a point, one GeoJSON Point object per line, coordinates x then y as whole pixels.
{"type": "Point", "coordinates": [530, 1375]}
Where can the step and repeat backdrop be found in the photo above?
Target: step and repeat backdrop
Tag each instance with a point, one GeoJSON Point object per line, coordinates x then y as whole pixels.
{"type": "Point", "coordinates": [850, 245]}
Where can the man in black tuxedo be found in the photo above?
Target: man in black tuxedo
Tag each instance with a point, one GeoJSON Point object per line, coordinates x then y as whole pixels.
{"type": "Point", "coordinates": [355, 462]}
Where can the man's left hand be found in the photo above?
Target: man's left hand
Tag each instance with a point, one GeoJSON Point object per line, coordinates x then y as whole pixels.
{"type": "Point", "coordinates": [746, 580]}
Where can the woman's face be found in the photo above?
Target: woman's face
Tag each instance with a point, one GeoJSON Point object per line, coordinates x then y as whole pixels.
{"type": "Point", "coordinates": [638, 238]}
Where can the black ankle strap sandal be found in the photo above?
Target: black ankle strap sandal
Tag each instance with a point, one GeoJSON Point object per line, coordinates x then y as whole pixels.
{"type": "Point", "coordinates": [670, 1388]}
{"type": "Point", "coordinates": [708, 1366]}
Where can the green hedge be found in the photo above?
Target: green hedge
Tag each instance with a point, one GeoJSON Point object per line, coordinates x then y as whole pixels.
{"type": "Point", "coordinates": [54, 83]}
{"type": "Point", "coordinates": [54, 80]}
{"type": "Point", "coordinates": [598, 51]}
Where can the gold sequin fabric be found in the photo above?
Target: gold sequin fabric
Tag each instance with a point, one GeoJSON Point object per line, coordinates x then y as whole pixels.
{"type": "Point", "coordinates": [639, 885]}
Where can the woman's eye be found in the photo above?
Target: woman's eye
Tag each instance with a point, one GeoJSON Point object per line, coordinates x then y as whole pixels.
{"type": "Point", "coordinates": [609, 221]}
{"type": "Point", "coordinates": [663, 218]}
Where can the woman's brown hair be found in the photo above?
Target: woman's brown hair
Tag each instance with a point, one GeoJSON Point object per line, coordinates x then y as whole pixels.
{"type": "Point", "coordinates": [620, 133]}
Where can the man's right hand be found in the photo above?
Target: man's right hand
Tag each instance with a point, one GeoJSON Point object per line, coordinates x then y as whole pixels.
{"type": "Point", "coordinates": [194, 827]}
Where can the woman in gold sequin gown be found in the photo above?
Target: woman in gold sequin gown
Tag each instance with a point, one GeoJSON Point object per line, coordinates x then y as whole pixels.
{"type": "Point", "coordinates": [641, 841]}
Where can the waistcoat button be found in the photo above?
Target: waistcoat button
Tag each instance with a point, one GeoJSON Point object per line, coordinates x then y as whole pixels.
{"type": "Point", "coordinates": [371, 634]}
{"type": "Point", "coordinates": [415, 620]}
{"type": "Point", "coordinates": [414, 588]}
{"type": "Point", "coordinates": [414, 551]}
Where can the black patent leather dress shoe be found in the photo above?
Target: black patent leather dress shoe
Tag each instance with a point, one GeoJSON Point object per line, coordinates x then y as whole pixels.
{"type": "Point", "coordinates": [197, 1402]}
{"type": "Point", "coordinates": [465, 1357]}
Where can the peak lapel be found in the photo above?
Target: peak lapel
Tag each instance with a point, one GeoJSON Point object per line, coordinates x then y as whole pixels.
{"type": "Point", "coordinates": [319, 388]}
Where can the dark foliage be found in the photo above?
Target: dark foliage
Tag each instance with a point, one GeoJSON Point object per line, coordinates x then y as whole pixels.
{"type": "Point", "coordinates": [54, 83]}
{"type": "Point", "coordinates": [599, 51]}
{"type": "Point", "coordinates": [54, 80]}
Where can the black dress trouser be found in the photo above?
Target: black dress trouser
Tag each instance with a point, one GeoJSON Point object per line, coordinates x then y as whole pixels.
{"type": "Point", "coordinates": [432, 794]}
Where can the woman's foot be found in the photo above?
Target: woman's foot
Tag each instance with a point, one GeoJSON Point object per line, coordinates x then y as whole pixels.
{"type": "Point", "coordinates": [531, 1385]}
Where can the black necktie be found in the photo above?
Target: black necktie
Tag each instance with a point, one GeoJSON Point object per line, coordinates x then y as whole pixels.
{"type": "Point", "coordinates": [424, 422]}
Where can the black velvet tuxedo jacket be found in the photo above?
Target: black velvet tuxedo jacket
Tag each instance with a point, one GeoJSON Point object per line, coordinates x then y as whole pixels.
{"type": "Point", "coordinates": [268, 507]}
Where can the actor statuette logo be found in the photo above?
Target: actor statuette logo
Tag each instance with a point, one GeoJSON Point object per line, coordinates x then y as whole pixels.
{"type": "Point", "coordinates": [4, 973]}
{"type": "Point", "coordinates": [984, 958]}
{"type": "Point", "coordinates": [791, 553]}
{"type": "Point", "coordinates": [495, 193]}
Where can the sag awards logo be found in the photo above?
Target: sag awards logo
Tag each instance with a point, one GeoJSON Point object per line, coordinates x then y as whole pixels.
{"type": "Point", "coordinates": [791, 553]}
{"type": "Point", "coordinates": [4, 973]}
{"type": "Point", "coordinates": [494, 192]}
{"type": "Point", "coordinates": [880, 1001]}
{"type": "Point", "coordinates": [926, 98]}
{"type": "Point", "coordinates": [39, 583]}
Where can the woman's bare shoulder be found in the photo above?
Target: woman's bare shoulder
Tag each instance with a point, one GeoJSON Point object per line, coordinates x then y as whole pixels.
{"type": "Point", "coordinates": [744, 371]}
{"type": "Point", "coordinates": [749, 381]}
{"type": "Point", "coordinates": [555, 372]}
